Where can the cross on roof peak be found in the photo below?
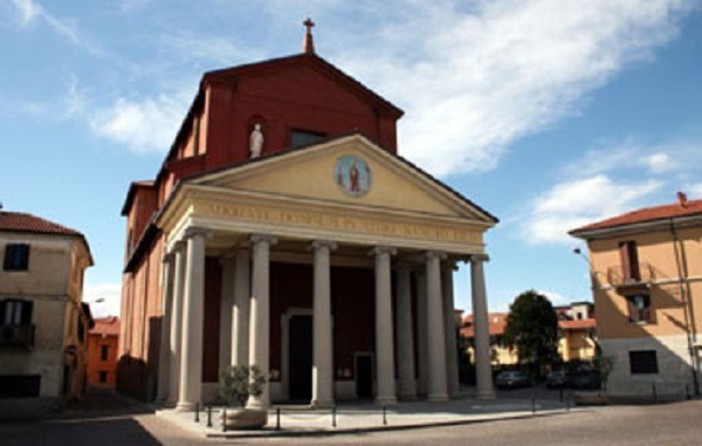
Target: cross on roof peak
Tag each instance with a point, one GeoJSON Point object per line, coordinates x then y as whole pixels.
{"type": "Point", "coordinates": [308, 42]}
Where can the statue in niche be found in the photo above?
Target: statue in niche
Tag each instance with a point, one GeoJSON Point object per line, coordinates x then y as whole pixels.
{"type": "Point", "coordinates": [256, 141]}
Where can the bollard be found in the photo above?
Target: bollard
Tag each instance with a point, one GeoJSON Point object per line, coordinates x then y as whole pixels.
{"type": "Point", "coordinates": [567, 403]}
{"type": "Point", "coordinates": [560, 394]}
{"type": "Point", "coordinates": [277, 418]}
{"type": "Point", "coordinates": [333, 416]}
{"type": "Point", "coordinates": [224, 419]}
{"type": "Point", "coordinates": [655, 394]}
{"type": "Point", "coordinates": [209, 416]}
{"type": "Point", "coordinates": [197, 412]}
{"type": "Point", "coordinates": [385, 418]}
{"type": "Point", "coordinates": [533, 402]}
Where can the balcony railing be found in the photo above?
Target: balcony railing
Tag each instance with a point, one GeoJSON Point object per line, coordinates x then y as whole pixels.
{"type": "Point", "coordinates": [619, 276]}
{"type": "Point", "coordinates": [17, 336]}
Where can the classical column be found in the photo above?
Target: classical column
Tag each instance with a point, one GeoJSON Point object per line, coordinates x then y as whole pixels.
{"type": "Point", "coordinates": [190, 386]}
{"type": "Point", "coordinates": [164, 354]}
{"type": "Point", "coordinates": [450, 330]}
{"type": "Point", "coordinates": [405, 345]}
{"type": "Point", "coordinates": [322, 359]}
{"type": "Point", "coordinates": [384, 356]}
{"type": "Point", "coordinates": [422, 352]}
{"type": "Point", "coordinates": [240, 311]}
{"type": "Point", "coordinates": [436, 347]}
{"type": "Point", "coordinates": [259, 342]}
{"type": "Point", "coordinates": [483, 369]}
{"type": "Point", "coordinates": [225, 311]}
{"type": "Point", "coordinates": [176, 335]}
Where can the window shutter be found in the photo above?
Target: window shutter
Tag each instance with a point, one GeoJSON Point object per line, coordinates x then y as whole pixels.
{"type": "Point", "coordinates": [633, 311]}
{"type": "Point", "coordinates": [26, 315]}
{"type": "Point", "coordinates": [626, 264]}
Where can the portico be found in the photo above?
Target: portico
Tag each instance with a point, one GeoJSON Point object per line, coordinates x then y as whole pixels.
{"type": "Point", "coordinates": [312, 275]}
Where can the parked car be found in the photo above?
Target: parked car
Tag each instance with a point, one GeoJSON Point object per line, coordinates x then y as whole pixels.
{"type": "Point", "coordinates": [556, 379]}
{"type": "Point", "coordinates": [512, 380]}
{"type": "Point", "coordinates": [585, 380]}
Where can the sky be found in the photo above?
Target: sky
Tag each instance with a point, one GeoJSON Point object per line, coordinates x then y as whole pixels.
{"type": "Point", "coordinates": [549, 114]}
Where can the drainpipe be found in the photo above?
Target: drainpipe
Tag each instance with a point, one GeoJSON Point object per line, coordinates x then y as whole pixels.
{"type": "Point", "coordinates": [682, 278]}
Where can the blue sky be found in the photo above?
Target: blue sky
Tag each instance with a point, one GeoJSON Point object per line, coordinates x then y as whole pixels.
{"type": "Point", "coordinates": [549, 114]}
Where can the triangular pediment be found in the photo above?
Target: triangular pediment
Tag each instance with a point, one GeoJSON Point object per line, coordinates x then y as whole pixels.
{"type": "Point", "coordinates": [352, 171]}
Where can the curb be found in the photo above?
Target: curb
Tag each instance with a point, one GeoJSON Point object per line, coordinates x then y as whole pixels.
{"type": "Point", "coordinates": [373, 429]}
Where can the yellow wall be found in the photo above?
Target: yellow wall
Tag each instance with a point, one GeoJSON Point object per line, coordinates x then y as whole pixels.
{"type": "Point", "coordinates": [656, 249]}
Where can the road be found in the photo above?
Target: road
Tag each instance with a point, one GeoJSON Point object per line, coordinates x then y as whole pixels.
{"type": "Point", "coordinates": [676, 424]}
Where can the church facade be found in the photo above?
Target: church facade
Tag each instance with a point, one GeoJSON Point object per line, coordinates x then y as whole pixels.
{"type": "Point", "coordinates": [283, 230]}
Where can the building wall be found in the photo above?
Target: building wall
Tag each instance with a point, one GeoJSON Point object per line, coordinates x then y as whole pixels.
{"type": "Point", "coordinates": [576, 345]}
{"type": "Point", "coordinates": [96, 364]}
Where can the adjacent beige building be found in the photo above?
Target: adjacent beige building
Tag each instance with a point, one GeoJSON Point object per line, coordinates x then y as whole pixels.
{"type": "Point", "coordinates": [43, 320]}
{"type": "Point", "coordinates": [646, 270]}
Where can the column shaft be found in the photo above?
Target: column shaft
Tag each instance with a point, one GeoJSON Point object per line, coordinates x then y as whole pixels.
{"type": "Point", "coordinates": [450, 331]}
{"type": "Point", "coordinates": [259, 335]}
{"type": "Point", "coordinates": [190, 387]}
{"type": "Point", "coordinates": [483, 369]}
{"type": "Point", "coordinates": [176, 335]}
{"type": "Point", "coordinates": [164, 354]}
{"type": "Point", "coordinates": [422, 343]}
{"type": "Point", "coordinates": [437, 390]}
{"type": "Point", "coordinates": [240, 311]}
{"type": "Point", "coordinates": [225, 312]}
{"type": "Point", "coordinates": [405, 343]}
{"type": "Point", "coordinates": [385, 364]}
{"type": "Point", "coordinates": [322, 372]}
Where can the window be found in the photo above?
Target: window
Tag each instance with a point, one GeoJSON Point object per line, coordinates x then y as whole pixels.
{"type": "Point", "coordinates": [15, 312]}
{"type": "Point", "coordinates": [103, 352]}
{"type": "Point", "coordinates": [18, 386]}
{"type": "Point", "coordinates": [102, 376]}
{"type": "Point", "coordinates": [643, 361]}
{"type": "Point", "coordinates": [16, 257]}
{"type": "Point", "coordinates": [629, 256]}
{"type": "Point", "coordinates": [302, 137]}
{"type": "Point", "coordinates": [640, 308]}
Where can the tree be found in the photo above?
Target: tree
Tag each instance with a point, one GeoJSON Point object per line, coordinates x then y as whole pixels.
{"type": "Point", "coordinates": [532, 328]}
{"type": "Point", "coordinates": [238, 382]}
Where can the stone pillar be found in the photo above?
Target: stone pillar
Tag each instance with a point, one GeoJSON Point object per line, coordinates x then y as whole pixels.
{"type": "Point", "coordinates": [437, 390]}
{"type": "Point", "coordinates": [240, 311]}
{"type": "Point", "coordinates": [176, 335]}
{"type": "Point", "coordinates": [483, 369]}
{"type": "Point", "coordinates": [322, 359]}
{"type": "Point", "coordinates": [225, 312]}
{"type": "Point", "coordinates": [450, 330]}
{"type": "Point", "coordinates": [164, 354]}
{"type": "Point", "coordinates": [422, 352]}
{"type": "Point", "coordinates": [259, 342]}
{"type": "Point", "coordinates": [190, 386]}
{"type": "Point", "coordinates": [405, 343]}
{"type": "Point", "coordinates": [384, 356]}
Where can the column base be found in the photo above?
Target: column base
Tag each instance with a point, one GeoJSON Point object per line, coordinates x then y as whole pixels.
{"type": "Point", "coordinates": [322, 404]}
{"type": "Point", "coordinates": [185, 407]}
{"type": "Point", "coordinates": [385, 400]}
{"type": "Point", "coordinates": [438, 397]}
{"type": "Point", "coordinates": [408, 397]}
{"type": "Point", "coordinates": [485, 395]}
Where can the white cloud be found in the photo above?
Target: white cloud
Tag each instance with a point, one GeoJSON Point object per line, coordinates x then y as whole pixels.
{"type": "Point", "coordinates": [110, 292]}
{"type": "Point", "coordinates": [144, 126]}
{"type": "Point", "coordinates": [28, 11]}
{"type": "Point", "coordinates": [472, 83]}
{"type": "Point", "coordinates": [571, 204]}
{"type": "Point", "coordinates": [659, 162]}
{"type": "Point", "coordinates": [555, 298]}
{"type": "Point", "coordinates": [694, 191]}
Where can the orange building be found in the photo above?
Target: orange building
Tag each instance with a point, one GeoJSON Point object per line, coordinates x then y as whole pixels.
{"type": "Point", "coordinates": [646, 268]}
{"type": "Point", "coordinates": [103, 340]}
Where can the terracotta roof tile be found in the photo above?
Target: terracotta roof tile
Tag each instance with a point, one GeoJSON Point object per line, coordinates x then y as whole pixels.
{"type": "Point", "coordinates": [497, 323]}
{"type": "Point", "coordinates": [107, 326]}
{"type": "Point", "coordinates": [577, 324]}
{"type": "Point", "coordinates": [691, 207]}
{"type": "Point", "coordinates": [21, 222]}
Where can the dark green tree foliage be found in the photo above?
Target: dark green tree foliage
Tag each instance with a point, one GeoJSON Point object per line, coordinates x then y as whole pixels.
{"type": "Point", "coordinates": [532, 328]}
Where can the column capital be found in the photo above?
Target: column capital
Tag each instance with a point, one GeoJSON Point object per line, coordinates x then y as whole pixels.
{"type": "Point", "coordinates": [435, 254]}
{"type": "Point", "coordinates": [482, 257]}
{"type": "Point", "coordinates": [449, 265]}
{"type": "Point", "coordinates": [178, 245]}
{"type": "Point", "coordinates": [168, 257]}
{"type": "Point", "coordinates": [194, 231]}
{"type": "Point", "coordinates": [324, 243]}
{"type": "Point", "coordinates": [383, 250]}
{"type": "Point", "coordinates": [255, 238]}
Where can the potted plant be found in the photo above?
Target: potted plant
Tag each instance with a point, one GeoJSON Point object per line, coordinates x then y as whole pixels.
{"type": "Point", "coordinates": [236, 384]}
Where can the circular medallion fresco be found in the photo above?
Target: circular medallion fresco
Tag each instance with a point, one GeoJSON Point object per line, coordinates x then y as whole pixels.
{"type": "Point", "coordinates": [352, 175]}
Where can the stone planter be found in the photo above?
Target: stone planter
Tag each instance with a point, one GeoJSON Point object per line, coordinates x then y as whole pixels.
{"type": "Point", "coordinates": [242, 418]}
{"type": "Point", "coordinates": [594, 398]}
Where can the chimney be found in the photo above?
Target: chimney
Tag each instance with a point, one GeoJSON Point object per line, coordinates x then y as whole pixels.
{"type": "Point", "coordinates": [682, 199]}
